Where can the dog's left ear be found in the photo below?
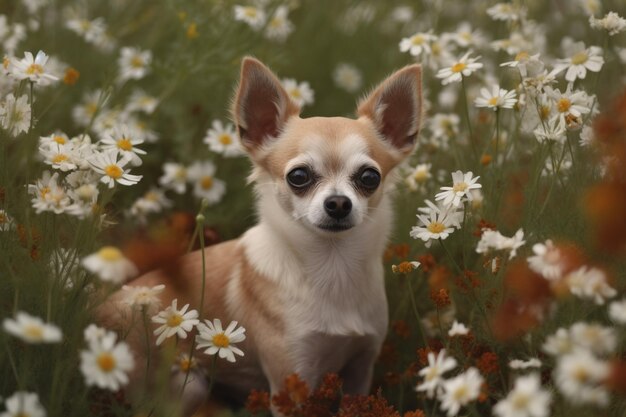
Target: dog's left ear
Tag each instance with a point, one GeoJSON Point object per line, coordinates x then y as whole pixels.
{"type": "Point", "coordinates": [395, 107]}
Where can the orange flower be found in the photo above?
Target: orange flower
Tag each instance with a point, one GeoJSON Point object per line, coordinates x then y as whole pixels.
{"type": "Point", "coordinates": [488, 363]}
{"type": "Point", "coordinates": [416, 413]}
{"type": "Point", "coordinates": [617, 377]}
{"type": "Point", "coordinates": [485, 159]}
{"type": "Point", "coordinates": [258, 402]}
{"type": "Point", "coordinates": [427, 262]}
{"type": "Point", "coordinates": [71, 76]}
{"type": "Point", "coordinates": [439, 278]}
{"type": "Point", "coordinates": [401, 328]}
{"type": "Point", "coordinates": [441, 298]}
{"type": "Point", "coordinates": [366, 406]}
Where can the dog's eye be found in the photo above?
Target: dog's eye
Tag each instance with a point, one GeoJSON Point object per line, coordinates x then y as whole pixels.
{"type": "Point", "coordinates": [369, 179]}
{"type": "Point", "coordinates": [299, 177]}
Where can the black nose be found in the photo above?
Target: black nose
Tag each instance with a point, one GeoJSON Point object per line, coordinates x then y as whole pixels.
{"type": "Point", "coordinates": [338, 206]}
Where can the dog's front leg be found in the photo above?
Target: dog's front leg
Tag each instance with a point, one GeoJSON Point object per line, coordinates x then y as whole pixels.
{"type": "Point", "coordinates": [357, 373]}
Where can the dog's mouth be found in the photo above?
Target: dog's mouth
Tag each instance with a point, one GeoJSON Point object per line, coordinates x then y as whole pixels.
{"type": "Point", "coordinates": [335, 226]}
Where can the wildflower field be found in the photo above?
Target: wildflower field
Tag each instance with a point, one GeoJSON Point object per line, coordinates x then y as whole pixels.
{"type": "Point", "coordinates": [506, 271]}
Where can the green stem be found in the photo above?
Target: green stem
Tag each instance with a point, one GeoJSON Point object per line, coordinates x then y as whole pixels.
{"type": "Point", "coordinates": [416, 311]}
{"type": "Point", "coordinates": [146, 327]}
{"type": "Point", "coordinates": [30, 102]}
{"type": "Point", "coordinates": [467, 116]}
{"type": "Point", "coordinates": [212, 374]}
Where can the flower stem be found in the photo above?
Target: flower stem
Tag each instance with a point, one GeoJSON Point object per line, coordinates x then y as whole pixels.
{"type": "Point", "coordinates": [467, 116]}
{"type": "Point", "coordinates": [416, 311]}
{"type": "Point", "coordinates": [147, 333]}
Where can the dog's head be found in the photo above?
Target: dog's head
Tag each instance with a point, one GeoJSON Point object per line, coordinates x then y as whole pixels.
{"type": "Point", "coordinates": [326, 173]}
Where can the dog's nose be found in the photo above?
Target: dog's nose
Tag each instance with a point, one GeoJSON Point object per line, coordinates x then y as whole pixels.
{"type": "Point", "coordinates": [337, 206]}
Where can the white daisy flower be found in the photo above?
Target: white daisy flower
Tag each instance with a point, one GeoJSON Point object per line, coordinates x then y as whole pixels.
{"type": "Point", "coordinates": [125, 140]}
{"type": "Point", "coordinates": [112, 170]}
{"type": "Point", "coordinates": [15, 114]}
{"type": "Point", "coordinates": [587, 136]}
{"type": "Point", "coordinates": [594, 337]}
{"type": "Point", "coordinates": [223, 139]}
{"type": "Point", "coordinates": [590, 283]}
{"type": "Point", "coordinates": [507, 12]}
{"type": "Point", "coordinates": [559, 344]}
{"type": "Point", "coordinates": [460, 391]}
{"type": "Point", "coordinates": [32, 329]}
{"type": "Point", "coordinates": [546, 261]}
{"type": "Point", "coordinates": [590, 7]}
{"type": "Point", "coordinates": [578, 377]}
{"type": "Point", "coordinates": [418, 176]}
{"type": "Point", "coordinates": [253, 16]}
{"type": "Point", "coordinates": [142, 297]}
{"type": "Point", "coordinates": [110, 265]}
{"type": "Point", "coordinates": [94, 334]}
{"type": "Point", "coordinates": [438, 223]}
{"type": "Point", "coordinates": [497, 98]}
{"type": "Point", "coordinates": [433, 373]}
{"type": "Point", "coordinates": [133, 63]}
{"type": "Point", "coordinates": [464, 67]}
{"type": "Point", "coordinates": [581, 60]}
{"type": "Point", "coordinates": [32, 69]}
{"type": "Point", "coordinates": [617, 311]}
{"type": "Point", "coordinates": [175, 322]}
{"type": "Point", "coordinates": [525, 364]}
{"type": "Point", "coordinates": [90, 30]}
{"type": "Point", "coordinates": [84, 200]}
{"type": "Point", "coordinates": [48, 195]}
{"type": "Point", "coordinates": [299, 93]}
{"type": "Point", "coordinates": [153, 201]}
{"type": "Point", "coordinates": [417, 44]}
{"type": "Point", "coordinates": [458, 329]}
{"type": "Point", "coordinates": [106, 364]}
{"type": "Point", "coordinates": [141, 101]}
{"type": "Point", "coordinates": [83, 113]}
{"type": "Point", "coordinates": [279, 26]}
{"type": "Point", "coordinates": [552, 130]}
{"type": "Point", "coordinates": [6, 221]}
{"type": "Point", "coordinates": [401, 14]}
{"type": "Point", "coordinates": [58, 156]}
{"type": "Point", "coordinates": [466, 37]}
{"type": "Point", "coordinates": [444, 126]}
{"type": "Point", "coordinates": [175, 177]}
{"type": "Point", "coordinates": [570, 105]}
{"type": "Point", "coordinates": [348, 77]}
{"type": "Point", "coordinates": [526, 399]}
{"type": "Point", "coordinates": [494, 240]}
{"type": "Point", "coordinates": [611, 22]}
{"type": "Point", "coordinates": [216, 340]}
{"type": "Point", "coordinates": [23, 404]}
{"type": "Point", "coordinates": [462, 184]}
{"type": "Point", "coordinates": [58, 138]}
{"type": "Point", "coordinates": [206, 186]}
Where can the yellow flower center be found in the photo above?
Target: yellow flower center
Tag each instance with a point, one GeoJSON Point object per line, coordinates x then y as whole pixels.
{"type": "Point", "coordinates": [458, 67]}
{"type": "Point", "coordinates": [417, 40]}
{"type": "Point", "coordinates": [3, 218]}
{"type": "Point", "coordinates": [151, 196]}
{"type": "Point", "coordinates": [276, 23]}
{"type": "Point", "coordinates": [221, 340]}
{"type": "Point", "coordinates": [34, 69]}
{"type": "Point", "coordinates": [580, 58]}
{"type": "Point", "coordinates": [206, 182]}
{"type": "Point", "coordinates": [520, 401]}
{"type": "Point", "coordinates": [436, 49]}
{"type": "Point", "coordinates": [563, 105]}
{"type": "Point", "coordinates": [60, 140]}
{"type": "Point", "coordinates": [521, 56]}
{"type": "Point", "coordinates": [493, 101]}
{"type": "Point", "coordinates": [581, 375]}
{"type": "Point", "coordinates": [459, 187]}
{"type": "Point", "coordinates": [44, 192]}
{"type": "Point", "coordinates": [186, 364]}
{"type": "Point", "coordinates": [432, 373]}
{"type": "Point", "coordinates": [110, 254]}
{"type": "Point", "coordinates": [34, 332]}
{"type": "Point", "coordinates": [295, 93]}
{"type": "Point", "coordinates": [250, 12]}
{"type": "Point", "coordinates": [106, 362]}
{"type": "Point", "coordinates": [192, 31]}
{"type": "Point", "coordinates": [460, 393]}
{"type": "Point", "coordinates": [436, 227]}
{"type": "Point", "coordinates": [420, 176]}
{"type": "Point", "coordinates": [225, 139]}
{"type": "Point", "coordinates": [181, 174]}
{"type": "Point", "coordinates": [544, 112]}
{"type": "Point", "coordinates": [5, 62]}
{"type": "Point", "coordinates": [125, 144]}
{"type": "Point", "coordinates": [174, 320]}
{"type": "Point", "coordinates": [136, 62]}
{"type": "Point", "coordinates": [113, 171]}
{"type": "Point", "coordinates": [58, 158]}
{"type": "Point", "coordinates": [91, 108]}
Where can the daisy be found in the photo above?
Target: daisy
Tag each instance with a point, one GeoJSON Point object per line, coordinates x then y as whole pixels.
{"type": "Point", "coordinates": [216, 340]}
{"type": "Point", "coordinates": [578, 377]}
{"type": "Point", "coordinates": [552, 130]}
{"type": "Point", "coordinates": [506, 12]}
{"type": "Point", "coordinates": [460, 391]}
{"type": "Point", "coordinates": [48, 195]}
{"type": "Point", "coordinates": [497, 98]}
{"type": "Point", "coordinates": [91, 30]}
{"type": "Point", "coordinates": [465, 37]}
{"type": "Point", "coordinates": [83, 113]}
{"type": "Point", "coordinates": [279, 26]}
{"type": "Point", "coordinates": [521, 364]}
{"type": "Point", "coordinates": [494, 240]}
{"type": "Point", "coordinates": [418, 176]}
{"type": "Point", "coordinates": [175, 322]}
{"type": "Point", "coordinates": [23, 404]}
{"type": "Point", "coordinates": [58, 156]}
{"type": "Point", "coordinates": [587, 136]}
{"type": "Point", "coordinates": [153, 201]}
{"type": "Point", "coordinates": [253, 16]}
{"type": "Point", "coordinates": [417, 44]}
{"type": "Point", "coordinates": [15, 114]}
{"type": "Point", "coordinates": [594, 337]}
{"type": "Point", "coordinates": [590, 283]}
{"type": "Point", "coordinates": [84, 200]}
{"type": "Point", "coordinates": [106, 364]}
{"type": "Point", "coordinates": [134, 63]}
{"type": "Point", "coordinates": [124, 140]}
{"type": "Point", "coordinates": [458, 329]}
{"type": "Point", "coordinates": [546, 261]}
{"type": "Point", "coordinates": [611, 22]}
{"type": "Point", "coordinates": [464, 67]}
{"type": "Point", "coordinates": [558, 344]}
{"type": "Point", "coordinates": [617, 311]}
{"type": "Point", "coordinates": [6, 221]}
{"type": "Point", "coordinates": [462, 184]}
{"type": "Point", "coordinates": [110, 265]}
{"type": "Point", "coordinates": [570, 105]}
{"type": "Point", "coordinates": [444, 126]}
{"type": "Point", "coordinates": [141, 101]}
{"type": "Point", "coordinates": [32, 69]}
{"type": "Point", "coordinates": [526, 399]}
{"type": "Point", "coordinates": [299, 93]}
{"type": "Point", "coordinates": [32, 329]}
{"type": "Point", "coordinates": [223, 139]}
{"type": "Point", "coordinates": [348, 77]}
{"type": "Point", "coordinates": [433, 373]}
{"type": "Point", "coordinates": [58, 138]}
{"type": "Point", "coordinates": [581, 60]}
{"type": "Point", "coordinates": [175, 177]}
{"type": "Point", "coordinates": [437, 224]}
{"type": "Point", "coordinates": [112, 170]}
{"type": "Point", "coordinates": [142, 297]}
{"type": "Point", "coordinates": [206, 185]}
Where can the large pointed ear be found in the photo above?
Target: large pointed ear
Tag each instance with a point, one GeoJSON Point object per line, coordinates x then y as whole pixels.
{"type": "Point", "coordinates": [261, 106]}
{"type": "Point", "coordinates": [395, 107]}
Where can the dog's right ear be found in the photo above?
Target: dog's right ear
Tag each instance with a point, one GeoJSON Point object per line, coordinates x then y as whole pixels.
{"type": "Point", "coordinates": [261, 106]}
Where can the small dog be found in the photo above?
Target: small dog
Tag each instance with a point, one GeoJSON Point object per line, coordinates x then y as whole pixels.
{"type": "Point", "coordinates": [307, 281]}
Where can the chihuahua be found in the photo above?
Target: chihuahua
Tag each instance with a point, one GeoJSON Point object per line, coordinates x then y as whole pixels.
{"type": "Point", "coordinates": [306, 282]}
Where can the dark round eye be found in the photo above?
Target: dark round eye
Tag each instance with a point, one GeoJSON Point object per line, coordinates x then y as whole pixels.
{"type": "Point", "coordinates": [299, 177]}
{"type": "Point", "coordinates": [369, 178]}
